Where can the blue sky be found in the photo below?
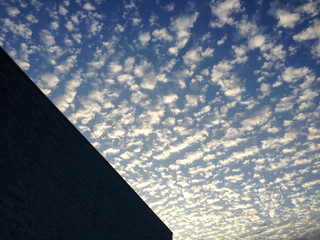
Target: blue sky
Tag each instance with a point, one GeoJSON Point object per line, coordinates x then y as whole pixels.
{"type": "Point", "coordinates": [208, 109]}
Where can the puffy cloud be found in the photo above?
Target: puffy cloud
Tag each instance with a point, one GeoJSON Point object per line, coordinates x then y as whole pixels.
{"type": "Point", "coordinates": [169, 7]}
{"type": "Point", "coordinates": [265, 90]}
{"type": "Point", "coordinates": [89, 7]}
{"type": "Point", "coordinates": [257, 41]}
{"type": "Point", "coordinates": [138, 97]}
{"type": "Point", "coordinates": [287, 19]}
{"type": "Point", "coordinates": [229, 83]}
{"type": "Point", "coordinates": [162, 35]}
{"type": "Point", "coordinates": [285, 104]}
{"type": "Point", "coordinates": [110, 151]}
{"type": "Point", "coordinates": [66, 65]}
{"type": "Point", "coordinates": [310, 184]}
{"type": "Point", "coordinates": [196, 55]}
{"type": "Point", "coordinates": [140, 69]}
{"type": "Point", "coordinates": [277, 142]}
{"type": "Point", "coordinates": [119, 28]}
{"type": "Point", "coordinates": [95, 26]}
{"type": "Point", "coordinates": [20, 29]}
{"type": "Point", "coordinates": [312, 32]}
{"type": "Point", "coordinates": [48, 82]}
{"type": "Point", "coordinates": [126, 79]}
{"type": "Point", "coordinates": [24, 65]}
{"type": "Point", "coordinates": [47, 38]}
{"type": "Point", "coordinates": [258, 119]}
{"type": "Point", "coordinates": [223, 10]}
{"type": "Point", "coordinates": [62, 10]}
{"type": "Point", "coordinates": [144, 38]}
{"type": "Point", "coordinates": [191, 100]}
{"type": "Point", "coordinates": [13, 11]}
{"type": "Point", "coordinates": [32, 18]}
{"type": "Point", "coordinates": [64, 101]}
{"type": "Point", "coordinates": [171, 98]}
{"type": "Point", "coordinates": [128, 64]}
{"type": "Point", "coordinates": [69, 26]}
{"type": "Point", "coordinates": [115, 67]}
{"type": "Point", "coordinates": [181, 26]}
{"type": "Point", "coordinates": [149, 81]}
{"type": "Point", "coordinates": [291, 74]}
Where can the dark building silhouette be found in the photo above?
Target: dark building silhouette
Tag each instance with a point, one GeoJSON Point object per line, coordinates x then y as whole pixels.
{"type": "Point", "coordinates": [54, 183]}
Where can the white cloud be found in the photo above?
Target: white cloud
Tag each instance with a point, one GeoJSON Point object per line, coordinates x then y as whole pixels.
{"type": "Point", "coordinates": [196, 55]}
{"type": "Point", "coordinates": [171, 98]}
{"type": "Point", "coordinates": [20, 29]}
{"type": "Point", "coordinates": [240, 53]}
{"type": "Point", "coordinates": [279, 142]}
{"type": "Point", "coordinates": [311, 183]}
{"type": "Point", "coordinates": [229, 83]}
{"type": "Point", "coordinates": [140, 69]}
{"type": "Point", "coordinates": [285, 104]}
{"type": "Point", "coordinates": [222, 40]}
{"type": "Point", "coordinates": [153, 18]}
{"type": "Point", "coordinates": [32, 18]}
{"type": "Point", "coordinates": [257, 41]}
{"type": "Point", "coordinates": [110, 151]}
{"type": "Point", "coordinates": [258, 119]}
{"type": "Point", "coordinates": [62, 10]}
{"type": "Point", "coordinates": [192, 100]}
{"type": "Point", "coordinates": [13, 11]}
{"type": "Point", "coordinates": [312, 32]}
{"type": "Point", "coordinates": [144, 38]}
{"type": "Point", "coordinates": [119, 28]}
{"type": "Point", "coordinates": [64, 101]}
{"type": "Point", "coordinates": [265, 90]}
{"type": "Point", "coordinates": [66, 65]}
{"type": "Point", "coordinates": [138, 97]}
{"type": "Point", "coordinates": [223, 10]}
{"type": "Point", "coordinates": [69, 26]}
{"type": "Point", "coordinates": [308, 95]}
{"type": "Point", "coordinates": [190, 158]}
{"type": "Point", "coordinates": [77, 37]}
{"type": "Point", "coordinates": [95, 26]}
{"type": "Point", "coordinates": [234, 178]}
{"type": "Point", "coordinates": [48, 82]}
{"type": "Point", "coordinates": [287, 19]}
{"type": "Point", "coordinates": [136, 21]}
{"type": "Point", "coordinates": [115, 67]}
{"type": "Point", "coordinates": [181, 26]}
{"type": "Point", "coordinates": [88, 6]}
{"type": "Point", "coordinates": [128, 64]}
{"type": "Point", "coordinates": [170, 121]}
{"type": "Point", "coordinates": [247, 28]}
{"type": "Point", "coordinates": [47, 38]}
{"type": "Point", "coordinates": [173, 50]}
{"type": "Point", "coordinates": [54, 25]}
{"type": "Point", "coordinates": [314, 133]}
{"type": "Point", "coordinates": [149, 81]}
{"type": "Point", "coordinates": [169, 7]}
{"type": "Point", "coordinates": [126, 79]}
{"type": "Point", "coordinates": [24, 65]}
{"type": "Point", "coordinates": [162, 35]}
{"type": "Point", "coordinates": [291, 74]}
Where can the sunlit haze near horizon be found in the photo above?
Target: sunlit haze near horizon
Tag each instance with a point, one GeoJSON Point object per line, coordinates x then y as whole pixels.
{"type": "Point", "coordinates": [208, 109]}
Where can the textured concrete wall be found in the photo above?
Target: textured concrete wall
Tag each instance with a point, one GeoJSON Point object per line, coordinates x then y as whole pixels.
{"type": "Point", "coordinates": [54, 184]}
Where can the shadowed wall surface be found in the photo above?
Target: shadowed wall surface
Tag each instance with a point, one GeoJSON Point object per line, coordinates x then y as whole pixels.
{"type": "Point", "coordinates": [54, 183]}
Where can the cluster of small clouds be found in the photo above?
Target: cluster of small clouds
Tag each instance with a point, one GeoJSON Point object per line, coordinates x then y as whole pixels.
{"type": "Point", "coordinates": [216, 153]}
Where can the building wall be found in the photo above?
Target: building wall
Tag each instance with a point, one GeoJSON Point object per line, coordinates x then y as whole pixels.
{"type": "Point", "coordinates": [54, 183]}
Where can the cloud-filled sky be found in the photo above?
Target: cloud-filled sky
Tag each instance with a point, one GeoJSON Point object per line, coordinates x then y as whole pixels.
{"type": "Point", "coordinates": [208, 109]}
